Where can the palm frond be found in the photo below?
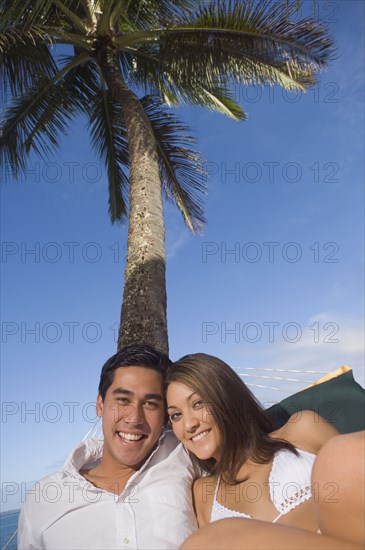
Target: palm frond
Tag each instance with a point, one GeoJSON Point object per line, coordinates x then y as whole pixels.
{"type": "Point", "coordinates": [305, 39]}
{"type": "Point", "coordinates": [43, 12]}
{"type": "Point", "coordinates": [146, 71]}
{"type": "Point", "coordinates": [24, 55]}
{"type": "Point", "coordinates": [247, 42]}
{"type": "Point", "coordinates": [105, 19]}
{"type": "Point", "coordinates": [89, 10]}
{"type": "Point", "coordinates": [182, 173]}
{"type": "Point", "coordinates": [37, 118]}
{"type": "Point", "coordinates": [221, 99]}
{"type": "Point", "coordinates": [16, 12]}
{"type": "Point", "coordinates": [146, 14]}
{"type": "Point", "coordinates": [217, 98]}
{"type": "Point", "coordinates": [109, 139]}
{"type": "Point", "coordinates": [65, 8]}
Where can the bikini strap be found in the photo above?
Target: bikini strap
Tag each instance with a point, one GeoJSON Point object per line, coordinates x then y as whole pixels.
{"type": "Point", "coordinates": [217, 487]}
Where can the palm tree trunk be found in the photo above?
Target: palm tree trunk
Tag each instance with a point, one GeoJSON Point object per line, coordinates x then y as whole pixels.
{"type": "Point", "coordinates": [143, 314]}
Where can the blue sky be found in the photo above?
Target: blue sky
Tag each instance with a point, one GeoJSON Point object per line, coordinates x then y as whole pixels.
{"type": "Point", "coordinates": [276, 281]}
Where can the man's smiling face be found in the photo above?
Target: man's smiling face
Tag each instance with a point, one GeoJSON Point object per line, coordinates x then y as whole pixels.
{"type": "Point", "coordinates": [133, 414]}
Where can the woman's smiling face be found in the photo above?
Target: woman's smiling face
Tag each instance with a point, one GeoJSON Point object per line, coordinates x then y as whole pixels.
{"type": "Point", "coordinates": [192, 421]}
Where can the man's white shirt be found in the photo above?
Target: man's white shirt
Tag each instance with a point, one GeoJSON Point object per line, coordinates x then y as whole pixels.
{"type": "Point", "coordinates": [154, 511]}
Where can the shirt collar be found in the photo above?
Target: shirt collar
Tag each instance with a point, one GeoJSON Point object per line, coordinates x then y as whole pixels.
{"type": "Point", "coordinates": [89, 453]}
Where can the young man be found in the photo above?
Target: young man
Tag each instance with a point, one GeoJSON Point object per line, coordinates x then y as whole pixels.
{"type": "Point", "coordinates": [130, 490]}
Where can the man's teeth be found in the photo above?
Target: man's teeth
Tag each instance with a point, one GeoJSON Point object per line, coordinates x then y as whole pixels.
{"type": "Point", "coordinates": [130, 437]}
{"type": "Point", "coordinates": [200, 436]}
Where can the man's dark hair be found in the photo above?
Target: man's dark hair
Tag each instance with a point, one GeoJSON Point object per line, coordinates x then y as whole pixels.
{"type": "Point", "coordinates": [141, 355]}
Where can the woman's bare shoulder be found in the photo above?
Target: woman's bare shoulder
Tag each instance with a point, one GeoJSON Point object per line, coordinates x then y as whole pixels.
{"type": "Point", "coordinates": [306, 430]}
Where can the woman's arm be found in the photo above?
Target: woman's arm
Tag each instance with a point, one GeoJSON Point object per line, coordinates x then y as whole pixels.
{"type": "Point", "coordinates": [339, 477]}
{"type": "Point", "coordinates": [251, 534]}
{"type": "Point", "coordinates": [307, 431]}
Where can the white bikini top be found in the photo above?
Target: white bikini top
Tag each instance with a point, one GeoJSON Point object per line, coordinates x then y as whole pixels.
{"type": "Point", "coordinates": [289, 485]}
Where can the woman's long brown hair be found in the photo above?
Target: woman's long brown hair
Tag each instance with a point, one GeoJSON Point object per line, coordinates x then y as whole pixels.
{"type": "Point", "coordinates": [242, 423]}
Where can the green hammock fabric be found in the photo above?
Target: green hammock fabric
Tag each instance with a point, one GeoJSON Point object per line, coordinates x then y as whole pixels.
{"type": "Point", "coordinates": [341, 401]}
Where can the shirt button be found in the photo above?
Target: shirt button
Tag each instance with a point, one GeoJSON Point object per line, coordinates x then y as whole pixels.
{"type": "Point", "coordinates": [126, 540]}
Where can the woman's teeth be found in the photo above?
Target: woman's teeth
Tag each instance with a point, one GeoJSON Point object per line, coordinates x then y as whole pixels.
{"type": "Point", "coordinates": [200, 436]}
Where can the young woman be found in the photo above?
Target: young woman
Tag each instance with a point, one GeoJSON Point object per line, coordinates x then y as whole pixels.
{"type": "Point", "coordinates": [253, 471]}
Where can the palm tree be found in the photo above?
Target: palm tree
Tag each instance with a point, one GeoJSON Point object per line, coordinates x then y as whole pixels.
{"type": "Point", "coordinates": [63, 58]}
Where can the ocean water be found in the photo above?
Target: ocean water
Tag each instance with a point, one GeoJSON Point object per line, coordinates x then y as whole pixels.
{"type": "Point", "coordinates": [8, 524]}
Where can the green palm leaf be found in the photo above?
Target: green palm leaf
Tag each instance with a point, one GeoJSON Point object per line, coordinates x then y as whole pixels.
{"type": "Point", "coordinates": [45, 12]}
{"type": "Point", "coordinates": [109, 139]}
{"type": "Point", "coordinates": [183, 175]}
{"type": "Point", "coordinates": [144, 70]}
{"type": "Point", "coordinates": [36, 119]}
{"type": "Point", "coordinates": [260, 27]}
{"type": "Point", "coordinates": [144, 14]}
{"type": "Point", "coordinates": [24, 55]}
{"type": "Point", "coordinates": [251, 43]}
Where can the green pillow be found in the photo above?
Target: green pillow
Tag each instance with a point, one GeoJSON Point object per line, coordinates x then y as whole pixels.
{"type": "Point", "coordinates": [341, 401]}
